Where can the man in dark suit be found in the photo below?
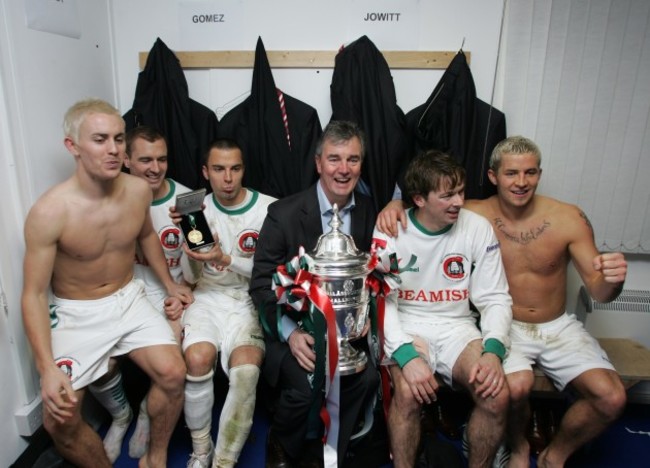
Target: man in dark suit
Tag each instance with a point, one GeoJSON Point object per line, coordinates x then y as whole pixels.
{"type": "Point", "coordinates": [291, 358]}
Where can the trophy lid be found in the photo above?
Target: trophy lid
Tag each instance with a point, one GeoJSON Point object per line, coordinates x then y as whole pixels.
{"type": "Point", "coordinates": [336, 248]}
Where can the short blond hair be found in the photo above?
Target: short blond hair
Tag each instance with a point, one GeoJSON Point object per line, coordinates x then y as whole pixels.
{"type": "Point", "coordinates": [514, 145]}
{"type": "Point", "coordinates": [78, 112]}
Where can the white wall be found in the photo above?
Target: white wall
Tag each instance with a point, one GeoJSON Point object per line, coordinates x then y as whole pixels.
{"type": "Point", "coordinates": [41, 74]}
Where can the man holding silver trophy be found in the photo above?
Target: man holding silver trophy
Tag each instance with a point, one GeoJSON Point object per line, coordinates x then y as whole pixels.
{"type": "Point", "coordinates": [296, 352]}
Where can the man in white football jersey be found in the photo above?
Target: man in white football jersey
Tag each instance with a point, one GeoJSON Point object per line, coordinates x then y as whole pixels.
{"type": "Point", "coordinates": [146, 157]}
{"type": "Point", "coordinates": [447, 257]}
{"type": "Point", "coordinates": [222, 320]}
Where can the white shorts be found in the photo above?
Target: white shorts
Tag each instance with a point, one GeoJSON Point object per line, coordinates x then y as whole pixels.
{"type": "Point", "coordinates": [225, 321]}
{"type": "Point", "coordinates": [445, 340]}
{"type": "Point", "coordinates": [157, 298]}
{"type": "Point", "coordinates": [85, 334]}
{"type": "Point", "coordinates": [562, 348]}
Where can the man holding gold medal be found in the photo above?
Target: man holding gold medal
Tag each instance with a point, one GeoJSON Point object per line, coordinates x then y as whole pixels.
{"type": "Point", "coordinates": [222, 321]}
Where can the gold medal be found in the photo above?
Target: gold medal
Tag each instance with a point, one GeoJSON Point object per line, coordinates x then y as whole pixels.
{"type": "Point", "coordinates": [194, 236]}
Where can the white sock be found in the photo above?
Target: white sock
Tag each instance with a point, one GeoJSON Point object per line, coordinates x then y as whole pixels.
{"type": "Point", "coordinates": [139, 442]}
{"type": "Point", "coordinates": [111, 396]}
{"type": "Point", "coordinates": [199, 399]}
{"type": "Point", "coordinates": [237, 415]}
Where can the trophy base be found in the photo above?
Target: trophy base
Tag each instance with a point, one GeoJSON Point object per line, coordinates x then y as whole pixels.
{"type": "Point", "coordinates": [351, 361]}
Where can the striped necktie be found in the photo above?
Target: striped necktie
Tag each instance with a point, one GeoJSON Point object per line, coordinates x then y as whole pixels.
{"type": "Point", "coordinates": [285, 120]}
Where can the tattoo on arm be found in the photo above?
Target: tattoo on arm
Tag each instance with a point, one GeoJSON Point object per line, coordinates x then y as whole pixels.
{"type": "Point", "coordinates": [524, 237]}
{"type": "Point", "coordinates": [591, 228]}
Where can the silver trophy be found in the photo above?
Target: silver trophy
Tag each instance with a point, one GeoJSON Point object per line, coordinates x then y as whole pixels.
{"type": "Point", "coordinates": [340, 270]}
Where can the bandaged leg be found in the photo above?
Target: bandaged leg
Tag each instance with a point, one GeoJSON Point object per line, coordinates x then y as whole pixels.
{"type": "Point", "coordinates": [139, 442]}
{"type": "Point", "coordinates": [237, 415]}
{"type": "Point", "coordinates": [111, 396]}
{"type": "Point", "coordinates": [199, 399]}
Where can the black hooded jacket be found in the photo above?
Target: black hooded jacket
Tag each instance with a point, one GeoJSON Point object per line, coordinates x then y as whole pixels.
{"type": "Point", "coordinates": [275, 165]}
{"type": "Point", "coordinates": [362, 91]}
{"type": "Point", "coordinates": [455, 121]}
{"type": "Point", "coordinates": [162, 101]}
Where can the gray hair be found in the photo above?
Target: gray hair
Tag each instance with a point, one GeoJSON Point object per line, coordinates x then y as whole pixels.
{"type": "Point", "coordinates": [340, 131]}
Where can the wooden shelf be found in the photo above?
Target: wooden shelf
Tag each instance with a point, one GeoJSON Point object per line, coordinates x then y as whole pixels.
{"type": "Point", "coordinates": [435, 60]}
{"type": "Point", "coordinates": [630, 359]}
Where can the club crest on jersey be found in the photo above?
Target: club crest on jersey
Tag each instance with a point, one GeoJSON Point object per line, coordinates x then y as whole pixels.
{"type": "Point", "coordinates": [454, 267]}
{"type": "Point", "coordinates": [170, 238]}
{"type": "Point", "coordinates": [247, 241]}
{"type": "Point", "coordinates": [69, 366]}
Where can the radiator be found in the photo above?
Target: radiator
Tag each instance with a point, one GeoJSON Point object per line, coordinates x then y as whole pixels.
{"type": "Point", "coordinates": [626, 317]}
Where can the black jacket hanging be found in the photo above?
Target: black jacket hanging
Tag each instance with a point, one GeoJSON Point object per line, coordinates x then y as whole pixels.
{"type": "Point", "coordinates": [489, 129]}
{"type": "Point", "coordinates": [279, 158]}
{"type": "Point", "coordinates": [455, 121]}
{"type": "Point", "coordinates": [362, 91]}
{"type": "Point", "coordinates": [445, 121]}
{"type": "Point", "coordinates": [162, 101]}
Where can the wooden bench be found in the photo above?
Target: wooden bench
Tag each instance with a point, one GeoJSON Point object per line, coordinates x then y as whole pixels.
{"type": "Point", "coordinates": [630, 359]}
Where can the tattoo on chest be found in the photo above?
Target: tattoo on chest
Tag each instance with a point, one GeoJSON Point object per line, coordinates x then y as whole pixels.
{"type": "Point", "coordinates": [524, 237]}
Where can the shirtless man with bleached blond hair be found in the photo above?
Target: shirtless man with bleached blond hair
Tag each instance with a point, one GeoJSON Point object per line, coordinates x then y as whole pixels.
{"type": "Point", "coordinates": [80, 302]}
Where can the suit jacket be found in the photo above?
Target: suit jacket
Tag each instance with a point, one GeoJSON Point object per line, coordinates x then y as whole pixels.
{"type": "Point", "coordinates": [292, 222]}
{"type": "Point", "coordinates": [273, 166]}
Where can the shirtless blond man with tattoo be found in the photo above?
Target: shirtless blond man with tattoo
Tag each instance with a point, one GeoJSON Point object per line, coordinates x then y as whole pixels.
{"type": "Point", "coordinates": [539, 237]}
{"type": "Point", "coordinates": [80, 302]}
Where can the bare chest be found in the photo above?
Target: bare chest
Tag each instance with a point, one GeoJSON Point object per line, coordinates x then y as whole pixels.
{"type": "Point", "coordinates": [92, 232]}
{"type": "Point", "coordinates": [537, 247]}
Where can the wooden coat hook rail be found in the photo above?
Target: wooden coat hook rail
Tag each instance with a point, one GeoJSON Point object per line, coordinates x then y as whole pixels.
{"type": "Point", "coordinates": [434, 60]}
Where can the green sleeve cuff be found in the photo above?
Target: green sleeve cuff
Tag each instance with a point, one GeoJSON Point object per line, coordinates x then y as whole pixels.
{"type": "Point", "coordinates": [494, 346]}
{"type": "Point", "coordinates": [404, 354]}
